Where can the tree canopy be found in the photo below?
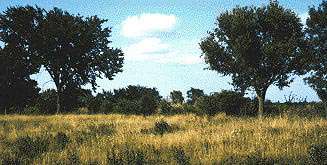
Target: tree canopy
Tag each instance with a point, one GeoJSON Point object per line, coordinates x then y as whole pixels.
{"type": "Point", "coordinates": [316, 31]}
{"type": "Point", "coordinates": [193, 94]}
{"type": "Point", "coordinates": [73, 49]}
{"type": "Point", "coordinates": [177, 97]}
{"type": "Point", "coordinates": [257, 47]}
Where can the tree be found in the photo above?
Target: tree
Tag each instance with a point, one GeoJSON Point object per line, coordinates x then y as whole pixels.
{"type": "Point", "coordinates": [316, 31]}
{"type": "Point", "coordinates": [193, 94]}
{"type": "Point", "coordinates": [133, 92]}
{"type": "Point", "coordinates": [257, 47]}
{"type": "Point", "coordinates": [16, 63]}
{"type": "Point", "coordinates": [177, 97]}
{"type": "Point", "coordinates": [73, 49]}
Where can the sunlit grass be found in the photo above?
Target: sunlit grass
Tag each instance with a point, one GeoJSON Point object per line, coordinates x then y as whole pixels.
{"type": "Point", "coordinates": [102, 139]}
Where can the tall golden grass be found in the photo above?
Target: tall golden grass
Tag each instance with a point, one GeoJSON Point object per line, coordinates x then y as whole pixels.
{"type": "Point", "coordinates": [114, 139]}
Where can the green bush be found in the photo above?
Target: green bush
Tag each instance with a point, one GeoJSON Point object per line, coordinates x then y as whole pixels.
{"type": "Point", "coordinates": [125, 106]}
{"type": "Point", "coordinates": [180, 156]}
{"type": "Point", "coordinates": [61, 140]}
{"type": "Point", "coordinates": [165, 107]}
{"type": "Point", "coordinates": [31, 147]}
{"type": "Point", "coordinates": [161, 127]}
{"type": "Point", "coordinates": [232, 103]}
{"type": "Point", "coordinates": [148, 105]}
{"type": "Point", "coordinates": [126, 154]}
{"type": "Point", "coordinates": [318, 154]}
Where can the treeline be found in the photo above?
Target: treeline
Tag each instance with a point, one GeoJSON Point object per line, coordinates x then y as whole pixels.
{"type": "Point", "coordinates": [256, 46]}
{"type": "Point", "coordinates": [139, 100]}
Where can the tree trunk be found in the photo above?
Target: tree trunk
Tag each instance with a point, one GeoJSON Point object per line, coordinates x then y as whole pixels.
{"type": "Point", "coordinates": [58, 99]}
{"type": "Point", "coordinates": [261, 95]}
{"type": "Point", "coordinates": [261, 101]}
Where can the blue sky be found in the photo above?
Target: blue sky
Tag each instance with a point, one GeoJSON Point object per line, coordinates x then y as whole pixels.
{"type": "Point", "coordinates": [160, 40]}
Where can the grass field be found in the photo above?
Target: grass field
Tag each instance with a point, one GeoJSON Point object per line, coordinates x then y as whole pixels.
{"type": "Point", "coordinates": [187, 139]}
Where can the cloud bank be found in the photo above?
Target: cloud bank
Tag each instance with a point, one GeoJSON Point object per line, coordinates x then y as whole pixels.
{"type": "Point", "coordinates": [143, 29]}
{"type": "Point", "coordinates": [144, 24]}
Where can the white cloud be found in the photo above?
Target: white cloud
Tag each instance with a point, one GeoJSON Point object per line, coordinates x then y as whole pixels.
{"type": "Point", "coordinates": [154, 50]}
{"type": "Point", "coordinates": [304, 17]}
{"type": "Point", "coordinates": [145, 24]}
{"type": "Point", "coordinates": [147, 45]}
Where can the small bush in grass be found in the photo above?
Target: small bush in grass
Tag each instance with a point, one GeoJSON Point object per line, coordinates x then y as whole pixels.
{"type": "Point", "coordinates": [126, 154]}
{"type": "Point", "coordinates": [61, 140]}
{"type": "Point", "coordinates": [31, 147]}
{"type": "Point", "coordinates": [102, 129]}
{"type": "Point", "coordinates": [73, 158]}
{"type": "Point", "coordinates": [180, 156]}
{"type": "Point", "coordinates": [161, 127]}
{"type": "Point", "coordinates": [318, 154]}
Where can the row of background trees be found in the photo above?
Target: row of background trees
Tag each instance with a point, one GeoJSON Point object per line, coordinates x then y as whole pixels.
{"type": "Point", "coordinates": [256, 46]}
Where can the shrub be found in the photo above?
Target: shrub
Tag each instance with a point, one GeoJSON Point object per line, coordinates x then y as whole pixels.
{"type": "Point", "coordinates": [318, 154]}
{"type": "Point", "coordinates": [127, 107]}
{"type": "Point", "coordinates": [31, 110]}
{"type": "Point", "coordinates": [83, 110]}
{"type": "Point", "coordinates": [148, 105]}
{"type": "Point", "coordinates": [73, 158]}
{"type": "Point", "coordinates": [126, 154]}
{"type": "Point", "coordinates": [165, 107]}
{"type": "Point", "coordinates": [232, 103]}
{"type": "Point", "coordinates": [61, 140]}
{"type": "Point", "coordinates": [161, 127]}
{"type": "Point", "coordinates": [30, 147]}
{"type": "Point", "coordinates": [102, 129]}
{"type": "Point", "coordinates": [180, 156]}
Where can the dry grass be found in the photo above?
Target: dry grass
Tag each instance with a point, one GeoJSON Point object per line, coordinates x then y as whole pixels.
{"type": "Point", "coordinates": [114, 139]}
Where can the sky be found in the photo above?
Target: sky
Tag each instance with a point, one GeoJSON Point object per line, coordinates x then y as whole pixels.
{"type": "Point", "coordinates": [160, 39]}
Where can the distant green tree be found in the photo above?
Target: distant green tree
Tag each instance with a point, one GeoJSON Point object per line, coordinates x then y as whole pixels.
{"type": "Point", "coordinates": [136, 92]}
{"type": "Point", "coordinates": [177, 97]}
{"type": "Point", "coordinates": [73, 49]}
{"type": "Point", "coordinates": [193, 94]}
{"type": "Point", "coordinates": [317, 39]}
{"type": "Point", "coordinates": [256, 46]}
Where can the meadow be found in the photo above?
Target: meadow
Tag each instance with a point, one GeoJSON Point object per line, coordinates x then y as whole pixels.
{"type": "Point", "coordinates": [157, 139]}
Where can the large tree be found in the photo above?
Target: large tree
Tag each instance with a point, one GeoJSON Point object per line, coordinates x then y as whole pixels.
{"type": "Point", "coordinates": [317, 40]}
{"type": "Point", "coordinates": [257, 47]}
{"type": "Point", "coordinates": [73, 49]}
{"type": "Point", "coordinates": [16, 61]}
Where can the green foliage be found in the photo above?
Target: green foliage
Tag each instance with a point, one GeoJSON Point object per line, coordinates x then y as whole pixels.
{"type": "Point", "coordinates": [127, 155]}
{"type": "Point", "coordinates": [136, 100]}
{"type": "Point", "coordinates": [148, 104]}
{"type": "Point", "coordinates": [177, 97]}
{"type": "Point", "coordinates": [165, 107]}
{"type": "Point", "coordinates": [257, 47]}
{"type": "Point", "coordinates": [74, 50]}
{"type": "Point", "coordinates": [161, 127]}
{"type": "Point", "coordinates": [232, 103]}
{"type": "Point", "coordinates": [125, 106]}
{"type": "Point", "coordinates": [31, 147]}
{"type": "Point", "coordinates": [133, 92]}
{"type": "Point", "coordinates": [316, 38]}
{"type": "Point", "coordinates": [180, 156]}
{"type": "Point", "coordinates": [193, 94]}
{"type": "Point", "coordinates": [318, 154]}
{"type": "Point", "coordinates": [72, 99]}
{"type": "Point", "coordinates": [61, 140]}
